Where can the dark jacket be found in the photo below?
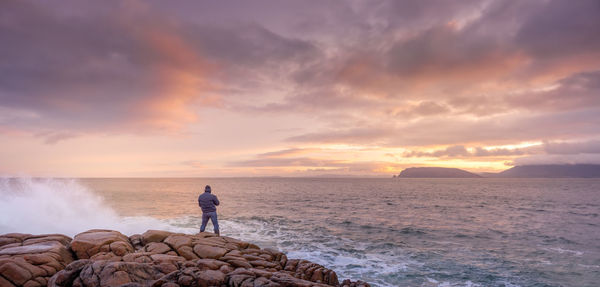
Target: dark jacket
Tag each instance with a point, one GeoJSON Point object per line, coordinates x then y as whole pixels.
{"type": "Point", "coordinates": [207, 202]}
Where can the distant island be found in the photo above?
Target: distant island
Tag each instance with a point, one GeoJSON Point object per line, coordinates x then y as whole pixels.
{"type": "Point", "coordinates": [552, 171]}
{"type": "Point", "coordinates": [521, 171]}
{"type": "Point", "coordinates": [440, 172]}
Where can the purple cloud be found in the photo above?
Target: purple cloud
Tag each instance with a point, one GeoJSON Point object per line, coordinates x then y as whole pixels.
{"type": "Point", "coordinates": [392, 73]}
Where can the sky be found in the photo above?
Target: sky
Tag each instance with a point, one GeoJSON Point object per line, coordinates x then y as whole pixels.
{"type": "Point", "coordinates": [295, 88]}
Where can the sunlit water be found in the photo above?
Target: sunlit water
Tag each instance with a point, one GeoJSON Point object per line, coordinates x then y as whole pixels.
{"type": "Point", "coordinates": [389, 232]}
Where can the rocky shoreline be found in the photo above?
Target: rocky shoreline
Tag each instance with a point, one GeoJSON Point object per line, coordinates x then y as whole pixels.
{"type": "Point", "coordinates": [154, 258]}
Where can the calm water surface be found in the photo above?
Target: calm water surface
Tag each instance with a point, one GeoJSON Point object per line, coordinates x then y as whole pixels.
{"type": "Point", "coordinates": [397, 232]}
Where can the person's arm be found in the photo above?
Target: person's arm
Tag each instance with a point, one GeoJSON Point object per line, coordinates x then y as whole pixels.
{"type": "Point", "coordinates": [216, 200]}
{"type": "Point", "coordinates": [199, 202]}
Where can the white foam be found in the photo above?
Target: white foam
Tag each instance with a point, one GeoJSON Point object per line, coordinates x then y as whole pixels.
{"type": "Point", "coordinates": [357, 263]}
{"type": "Point", "coordinates": [436, 283]}
{"type": "Point", "coordinates": [561, 251]}
{"type": "Point", "coordinates": [41, 206]}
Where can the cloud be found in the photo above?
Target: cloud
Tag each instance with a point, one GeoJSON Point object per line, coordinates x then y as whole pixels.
{"type": "Point", "coordinates": [51, 137]}
{"type": "Point", "coordinates": [576, 32]}
{"type": "Point", "coordinates": [479, 151]}
{"type": "Point", "coordinates": [451, 151]}
{"type": "Point", "coordinates": [386, 73]}
{"type": "Point", "coordinates": [557, 159]}
{"type": "Point", "coordinates": [461, 151]}
{"type": "Point", "coordinates": [292, 157]}
{"type": "Point", "coordinates": [287, 162]}
{"type": "Point", "coordinates": [287, 152]}
{"type": "Point", "coordinates": [366, 135]}
{"type": "Point", "coordinates": [473, 62]}
{"type": "Point", "coordinates": [568, 148]}
{"type": "Point", "coordinates": [128, 67]}
{"type": "Point", "coordinates": [316, 161]}
{"type": "Point", "coordinates": [577, 91]}
{"type": "Point", "coordinates": [494, 130]}
{"type": "Point", "coordinates": [546, 153]}
{"type": "Point", "coordinates": [118, 69]}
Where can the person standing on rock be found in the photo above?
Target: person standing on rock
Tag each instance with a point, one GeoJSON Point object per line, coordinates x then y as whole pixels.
{"type": "Point", "coordinates": [207, 203]}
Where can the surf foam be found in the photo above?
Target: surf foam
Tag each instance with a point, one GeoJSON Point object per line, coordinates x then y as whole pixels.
{"type": "Point", "coordinates": [42, 206]}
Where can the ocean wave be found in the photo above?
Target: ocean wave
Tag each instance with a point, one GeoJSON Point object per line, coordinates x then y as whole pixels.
{"type": "Point", "coordinates": [350, 259]}
{"type": "Point", "coordinates": [44, 206]}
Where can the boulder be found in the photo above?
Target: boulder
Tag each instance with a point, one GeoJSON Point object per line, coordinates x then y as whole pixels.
{"type": "Point", "coordinates": [176, 241]}
{"type": "Point", "coordinates": [108, 258]}
{"type": "Point", "coordinates": [304, 269]}
{"type": "Point", "coordinates": [154, 236]}
{"type": "Point", "coordinates": [157, 248]}
{"type": "Point", "coordinates": [211, 264]}
{"type": "Point", "coordinates": [28, 260]}
{"type": "Point", "coordinates": [107, 273]}
{"type": "Point", "coordinates": [207, 251]}
{"type": "Point", "coordinates": [89, 243]}
{"type": "Point", "coordinates": [255, 277]}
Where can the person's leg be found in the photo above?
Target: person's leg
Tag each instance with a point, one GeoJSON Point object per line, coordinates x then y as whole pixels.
{"type": "Point", "coordinates": [215, 222]}
{"type": "Point", "coordinates": [205, 217]}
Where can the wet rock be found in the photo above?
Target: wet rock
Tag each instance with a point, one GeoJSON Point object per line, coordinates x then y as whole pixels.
{"type": "Point", "coordinates": [348, 283]}
{"type": "Point", "coordinates": [307, 270]}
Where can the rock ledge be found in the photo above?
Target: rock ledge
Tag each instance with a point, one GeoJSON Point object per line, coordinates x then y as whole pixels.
{"type": "Point", "coordinates": [98, 258]}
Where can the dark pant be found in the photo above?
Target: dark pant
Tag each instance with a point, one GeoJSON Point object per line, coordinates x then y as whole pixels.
{"type": "Point", "coordinates": [213, 218]}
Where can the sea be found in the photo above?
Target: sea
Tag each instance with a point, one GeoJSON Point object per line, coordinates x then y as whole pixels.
{"type": "Point", "coordinates": [388, 232]}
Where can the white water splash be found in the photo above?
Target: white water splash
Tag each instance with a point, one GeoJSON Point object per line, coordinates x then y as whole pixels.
{"type": "Point", "coordinates": [42, 206]}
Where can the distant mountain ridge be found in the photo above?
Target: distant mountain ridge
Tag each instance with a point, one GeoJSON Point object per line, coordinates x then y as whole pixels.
{"type": "Point", "coordinates": [441, 172]}
{"type": "Point", "coordinates": [521, 171]}
{"type": "Point", "coordinates": [553, 171]}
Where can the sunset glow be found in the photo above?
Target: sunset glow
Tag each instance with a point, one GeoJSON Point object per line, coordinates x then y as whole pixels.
{"type": "Point", "coordinates": [296, 88]}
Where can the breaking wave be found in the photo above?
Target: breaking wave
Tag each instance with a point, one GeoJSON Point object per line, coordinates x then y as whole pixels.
{"type": "Point", "coordinates": [38, 206]}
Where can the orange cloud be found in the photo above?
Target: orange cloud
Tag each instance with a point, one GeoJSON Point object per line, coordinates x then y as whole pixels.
{"type": "Point", "coordinates": [182, 76]}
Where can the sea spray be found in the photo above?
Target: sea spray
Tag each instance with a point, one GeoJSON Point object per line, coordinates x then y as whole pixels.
{"type": "Point", "coordinates": [37, 206]}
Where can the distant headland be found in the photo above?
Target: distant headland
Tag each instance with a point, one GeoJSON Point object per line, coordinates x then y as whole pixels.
{"type": "Point", "coordinates": [521, 171]}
